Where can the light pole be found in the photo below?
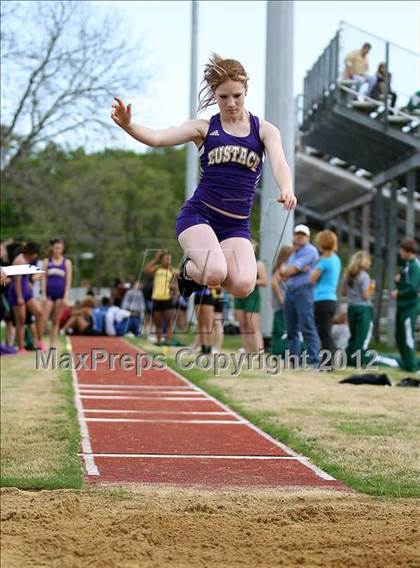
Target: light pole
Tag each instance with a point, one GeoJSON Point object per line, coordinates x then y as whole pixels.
{"type": "Point", "coordinates": [279, 110]}
{"type": "Point", "coordinates": [192, 171]}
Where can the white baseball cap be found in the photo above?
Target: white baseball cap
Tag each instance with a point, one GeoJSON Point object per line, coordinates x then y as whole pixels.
{"type": "Point", "coordinates": [302, 229]}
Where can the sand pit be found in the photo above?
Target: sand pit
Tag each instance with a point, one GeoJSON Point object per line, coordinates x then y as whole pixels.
{"type": "Point", "coordinates": [144, 526]}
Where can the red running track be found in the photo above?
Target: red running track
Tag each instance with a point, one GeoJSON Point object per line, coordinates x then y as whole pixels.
{"type": "Point", "coordinates": [160, 428]}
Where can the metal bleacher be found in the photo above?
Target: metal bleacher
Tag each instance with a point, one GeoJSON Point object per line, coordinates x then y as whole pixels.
{"type": "Point", "coordinates": [357, 164]}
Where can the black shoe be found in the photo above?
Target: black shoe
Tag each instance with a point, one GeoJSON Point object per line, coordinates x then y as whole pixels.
{"type": "Point", "coordinates": [186, 285]}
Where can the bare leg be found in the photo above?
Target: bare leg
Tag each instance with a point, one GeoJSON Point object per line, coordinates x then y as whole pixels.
{"type": "Point", "coordinates": [46, 312]}
{"type": "Point", "coordinates": [169, 318]}
{"type": "Point", "coordinates": [36, 310]}
{"type": "Point", "coordinates": [70, 323]}
{"type": "Point", "coordinates": [55, 324]}
{"type": "Point", "coordinates": [253, 320]}
{"type": "Point", "coordinates": [205, 314]}
{"type": "Point", "coordinates": [217, 335]}
{"type": "Point", "coordinates": [157, 317]}
{"type": "Point", "coordinates": [10, 333]}
{"type": "Point", "coordinates": [241, 318]}
{"type": "Point", "coordinates": [241, 266]}
{"type": "Point", "coordinates": [20, 316]}
{"type": "Point", "coordinates": [207, 264]}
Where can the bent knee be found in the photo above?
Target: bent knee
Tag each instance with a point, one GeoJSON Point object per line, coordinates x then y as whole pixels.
{"type": "Point", "coordinates": [217, 276]}
{"type": "Point", "coordinates": [214, 274]}
{"type": "Point", "coordinates": [242, 288]}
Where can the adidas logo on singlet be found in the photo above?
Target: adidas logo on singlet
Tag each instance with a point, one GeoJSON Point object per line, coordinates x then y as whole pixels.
{"type": "Point", "coordinates": [214, 133]}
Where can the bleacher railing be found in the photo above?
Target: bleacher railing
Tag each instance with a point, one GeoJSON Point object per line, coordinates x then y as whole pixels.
{"type": "Point", "coordinates": [328, 71]}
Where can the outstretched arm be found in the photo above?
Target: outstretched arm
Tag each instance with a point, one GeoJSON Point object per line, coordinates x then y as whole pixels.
{"type": "Point", "coordinates": [189, 131]}
{"type": "Point", "coordinates": [270, 137]}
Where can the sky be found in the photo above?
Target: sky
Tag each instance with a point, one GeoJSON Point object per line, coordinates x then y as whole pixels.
{"type": "Point", "coordinates": [236, 29]}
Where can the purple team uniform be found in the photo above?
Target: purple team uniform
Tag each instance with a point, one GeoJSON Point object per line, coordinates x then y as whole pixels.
{"type": "Point", "coordinates": [56, 280]}
{"type": "Point", "coordinates": [231, 167]}
{"type": "Point", "coordinates": [26, 290]}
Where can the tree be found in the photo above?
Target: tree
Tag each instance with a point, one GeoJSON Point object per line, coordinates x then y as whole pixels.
{"type": "Point", "coordinates": [63, 61]}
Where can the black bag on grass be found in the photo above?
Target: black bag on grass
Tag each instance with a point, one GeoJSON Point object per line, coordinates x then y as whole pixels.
{"type": "Point", "coordinates": [409, 382]}
{"type": "Point", "coordinates": [367, 379]}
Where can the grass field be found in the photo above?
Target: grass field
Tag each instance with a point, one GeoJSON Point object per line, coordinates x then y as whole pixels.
{"type": "Point", "coordinates": [366, 436]}
{"type": "Point", "coordinates": [40, 433]}
{"type": "Point", "coordinates": [363, 435]}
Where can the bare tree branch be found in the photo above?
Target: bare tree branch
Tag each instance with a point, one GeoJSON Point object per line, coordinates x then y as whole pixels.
{"type": "Point", "coordinates": [65, 73]}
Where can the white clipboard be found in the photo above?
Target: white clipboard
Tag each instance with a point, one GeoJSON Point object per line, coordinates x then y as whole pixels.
{"type": "Point", "coordinates": [21, 269]}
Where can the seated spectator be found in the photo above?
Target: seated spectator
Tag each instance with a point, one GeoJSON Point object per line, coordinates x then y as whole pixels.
{"type": "Point", "coordinates": [357, 68]}
{"type": "Point", "coordinates": [81, 321]}
{"type": "Point", "coordinates": [359, 289]}
{"type": "Point", "coordinates": [413, 104]}
{"type": "Point", "coordinates": [117, 292]}
{"type": "Point", "coordinates": [116, 321]}
{"type": "Point", "coordinates": [99, 314]}
{"type": "Point", "coordinates": [133, 301]}
{"type": "Point", "coordinates": [383, 77]}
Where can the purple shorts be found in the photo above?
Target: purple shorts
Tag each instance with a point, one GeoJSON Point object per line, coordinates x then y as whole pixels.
{"type": "Point", "coordinates": [55, 293]}
{"type": "Point", "coordinates": [195, 212]}
{"type": "Point", "coordinates": [26, 294]}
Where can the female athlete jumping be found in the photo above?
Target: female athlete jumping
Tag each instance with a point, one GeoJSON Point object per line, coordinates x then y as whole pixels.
{"type": "Point", "coordinates": [213, 226]}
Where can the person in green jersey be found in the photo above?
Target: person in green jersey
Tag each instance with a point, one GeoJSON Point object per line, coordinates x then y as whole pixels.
{"type": "Point", "coordinates": [407, 297]}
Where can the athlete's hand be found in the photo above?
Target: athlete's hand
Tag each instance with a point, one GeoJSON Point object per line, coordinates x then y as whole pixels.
{"type": "Point", "coordinates": [394, 294]}
{"type": "Point", "coordinates": [121, 114]}
{"type": "Point", "coordinates": [3, 277]}
{"type": "Point", "coordinates": [288, 198]}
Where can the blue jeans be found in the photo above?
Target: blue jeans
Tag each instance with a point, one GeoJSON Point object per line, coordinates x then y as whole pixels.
{"type": "Point", "coordinates": [133, 324]}
{"type": "Point", "coordinates": [299, 316]}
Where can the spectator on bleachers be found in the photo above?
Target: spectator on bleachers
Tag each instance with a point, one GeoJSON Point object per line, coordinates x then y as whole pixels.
{"type": "Point", "coordinates": [299, 300]}
{"type": "Point", "coordinates": [383, 77]}
{"type": "Point", "coordinates": [133, 301]}
{"type": "Point", "coordinates": [325, 276]}
{"type": "Point", "coordinates": [357, 69]}
{"type": "Point", "coordinates": [413, 105]}
{"type": "Point", "coordinates": [358, 287]}
{"type": "Point", "coordinates": [278, 287]}
{"type": "Point", "coordinates": [408, 304]}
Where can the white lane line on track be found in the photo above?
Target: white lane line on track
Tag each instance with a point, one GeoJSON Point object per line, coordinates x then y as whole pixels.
{"type": "Point", "coordinates": [305, 461]}
{"type": "Point", "coordinates": [149, 393]}
{"type": "Point", "coordinates": [201, 456]}
{"type": "Point", "coordinates": [119, 387]}
{"type": "Point", "coordinates": [197, 398]}
{"type": "Point", "coordinates": [186, 412]}
{"type": "Point", "coordinates": [162, 420]}
{"type": "Point", "coordinates": [88, 457]}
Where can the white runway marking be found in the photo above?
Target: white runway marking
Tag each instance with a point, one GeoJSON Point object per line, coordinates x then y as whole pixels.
{"type": "Point", "coordinates": [200, 456]}
{"type": "Point", "coordinates": [151, 420]}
